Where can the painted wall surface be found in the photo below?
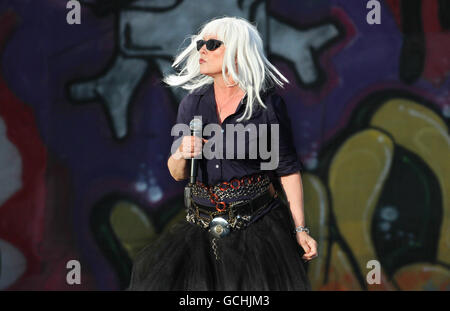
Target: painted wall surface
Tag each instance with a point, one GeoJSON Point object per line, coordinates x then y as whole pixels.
{"type": "Point", "coordinates": [85, 129]}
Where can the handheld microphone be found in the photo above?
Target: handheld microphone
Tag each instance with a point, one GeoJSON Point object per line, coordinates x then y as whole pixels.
{"type": "Point", "coordinates": [196, 130]}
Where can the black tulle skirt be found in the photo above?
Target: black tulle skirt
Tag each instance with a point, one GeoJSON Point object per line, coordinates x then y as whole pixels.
{"type": "Point", "coordinates": [263, 256]}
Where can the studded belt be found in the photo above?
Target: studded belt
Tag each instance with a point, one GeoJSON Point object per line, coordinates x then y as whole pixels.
{"type": "Point", "coordinates": [242, 189]}
{"type": "Point", "coordinates": [236, 216]}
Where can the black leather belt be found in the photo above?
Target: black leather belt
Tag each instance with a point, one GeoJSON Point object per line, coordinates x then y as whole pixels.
{"type": "Point", "coordinates": [245, 208]}
{"type": "Point", "coordinates": [236, 216]}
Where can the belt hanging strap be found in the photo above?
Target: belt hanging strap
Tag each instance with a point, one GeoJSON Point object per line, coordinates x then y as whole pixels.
{"type": "Point", "coordinates": [214, 248]}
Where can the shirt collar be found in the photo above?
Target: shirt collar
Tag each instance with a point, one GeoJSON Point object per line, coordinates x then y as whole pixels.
{"type": "Point", "coordinates": [203, 89]}
{"type": "Point", "coordinates": [208, 90]}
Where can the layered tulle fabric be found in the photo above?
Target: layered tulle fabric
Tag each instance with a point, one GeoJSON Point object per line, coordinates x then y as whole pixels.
{"type": "Point", "coordinates": [263, 256]}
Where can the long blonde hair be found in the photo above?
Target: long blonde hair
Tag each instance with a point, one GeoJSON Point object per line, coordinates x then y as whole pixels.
{"type": "Point", "coordinates": [243, 42]}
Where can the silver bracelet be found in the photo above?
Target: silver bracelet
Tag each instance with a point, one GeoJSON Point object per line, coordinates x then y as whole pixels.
{"type": "Point", "coordinates": [301, 229]}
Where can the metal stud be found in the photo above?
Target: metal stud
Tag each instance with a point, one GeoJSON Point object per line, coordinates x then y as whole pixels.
{"type": "Point", "coordinates": [219, 227]}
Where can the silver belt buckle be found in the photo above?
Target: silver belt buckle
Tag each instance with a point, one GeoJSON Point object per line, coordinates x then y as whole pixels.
{"type": "Point", "coordinates": [219, 227]}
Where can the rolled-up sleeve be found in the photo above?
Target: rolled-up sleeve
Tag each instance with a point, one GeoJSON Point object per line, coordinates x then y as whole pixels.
{"type": "Point", "coordinates": [184, 116]}
{"type": "Point", "coordinates": [289, 161]}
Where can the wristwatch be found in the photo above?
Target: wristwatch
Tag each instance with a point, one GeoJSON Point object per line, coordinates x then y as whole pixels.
{"type": "Point", "coordinates": [301, 229]}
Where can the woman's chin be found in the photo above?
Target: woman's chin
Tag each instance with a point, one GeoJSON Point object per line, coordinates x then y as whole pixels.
{"type": "Point", "coordinates": [204, 72]}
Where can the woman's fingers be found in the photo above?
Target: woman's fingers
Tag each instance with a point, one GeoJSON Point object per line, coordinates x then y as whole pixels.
{"type": "Point", "coordinates": [191, 146]}
{"type": "Point", "coordinates": [312, 253]}
{"type": "Point", "coordinates": [198, 145]}
{"type": "Point", "coordinates": [306, 248]}
{"type": "Point", "coordinates": [309, 245]}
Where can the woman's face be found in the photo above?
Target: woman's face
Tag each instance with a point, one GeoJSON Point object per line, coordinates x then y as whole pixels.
{"type": "Point", "coordinates": [211, 61]}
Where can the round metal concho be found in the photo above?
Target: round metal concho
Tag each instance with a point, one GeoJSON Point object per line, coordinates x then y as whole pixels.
{"type": "Point", "coordinates": [219, 227]}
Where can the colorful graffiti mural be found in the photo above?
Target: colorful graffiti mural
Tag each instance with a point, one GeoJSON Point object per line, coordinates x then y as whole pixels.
{"type": "Point", "coordinates": [85, 129]}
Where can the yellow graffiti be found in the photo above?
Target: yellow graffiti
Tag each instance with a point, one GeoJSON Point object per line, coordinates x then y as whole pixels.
{"type": "Point", "coordinates": [131, 226]}
{"type": "Point", "coordinates": [422, 132]}
{"type": "Point", "coordinates": [357, 174]}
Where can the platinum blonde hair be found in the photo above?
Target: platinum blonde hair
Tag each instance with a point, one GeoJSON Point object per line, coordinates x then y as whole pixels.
{"type": "Point", "coordinates": [242, 42]}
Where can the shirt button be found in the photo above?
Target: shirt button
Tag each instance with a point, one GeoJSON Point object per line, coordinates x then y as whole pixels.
{"type": "Point", "coordinates": [217, 165]}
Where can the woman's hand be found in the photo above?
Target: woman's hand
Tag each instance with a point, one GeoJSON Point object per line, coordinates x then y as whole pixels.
{"type": "Point", "coordinates": [190, 147]}
{"type": "Point", "coordinates": [308, 244]}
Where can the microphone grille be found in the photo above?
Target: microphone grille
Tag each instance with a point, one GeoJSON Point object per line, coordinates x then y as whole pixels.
{"type": "Point", "coordinates": [195, 124]}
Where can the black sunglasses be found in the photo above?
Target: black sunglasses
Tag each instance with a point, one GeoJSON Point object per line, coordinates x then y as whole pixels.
{"type": "Point", "coordinates": [211, 44]}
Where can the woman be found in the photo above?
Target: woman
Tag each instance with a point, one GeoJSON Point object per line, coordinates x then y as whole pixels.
{"type": "Point", "coordinates": [238, 234]}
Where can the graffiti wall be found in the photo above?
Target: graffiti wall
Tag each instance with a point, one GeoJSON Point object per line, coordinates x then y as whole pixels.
{"type": "Point", "coordinates": [85, 129]}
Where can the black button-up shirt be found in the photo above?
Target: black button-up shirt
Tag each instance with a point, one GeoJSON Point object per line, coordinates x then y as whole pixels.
{"type": "Point", "coordinates": [202, 103]}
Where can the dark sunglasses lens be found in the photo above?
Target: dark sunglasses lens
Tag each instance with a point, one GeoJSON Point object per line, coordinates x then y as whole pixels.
{"type": "Point", "coordinates": [211, 45]}
{"type": "Point", "coordinates": [200, 44]}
